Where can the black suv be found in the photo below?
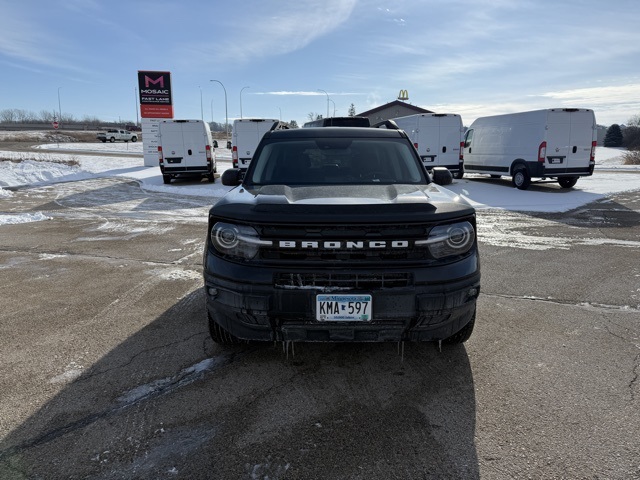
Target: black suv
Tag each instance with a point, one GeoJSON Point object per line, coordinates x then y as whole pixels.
{"type": "Point", "coordinates": [340, 234]}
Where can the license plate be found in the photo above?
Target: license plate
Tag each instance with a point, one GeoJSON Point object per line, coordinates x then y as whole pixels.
{"type": "Point", "coordinates": [344, 308]}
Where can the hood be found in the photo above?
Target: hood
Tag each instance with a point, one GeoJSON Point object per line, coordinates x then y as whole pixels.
{"type": "Point", "coordinates": [341, 203]}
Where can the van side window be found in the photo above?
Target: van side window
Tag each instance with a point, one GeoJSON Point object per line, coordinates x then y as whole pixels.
{"type": "Point", "coordinates": [467, 138]}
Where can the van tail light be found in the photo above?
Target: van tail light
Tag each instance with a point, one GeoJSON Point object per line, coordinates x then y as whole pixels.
{"type": "Point", "coordinates": [160, 157]}
{"type": "Point", "coordinates": [461, 151]}
{"type": "Point", "coordinates": [208, 153]}
{"type": "Point", "coordinates": [234, 156]}
{"type": "Point", "coordinates": [542, 152]}
{"type": "Point", "coordinates": [592, 157]}
{"type": "Point", "coordinates": [416, 145]}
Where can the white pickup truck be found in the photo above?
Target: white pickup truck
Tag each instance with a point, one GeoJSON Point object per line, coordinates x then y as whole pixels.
{"type": "Point", "coordinates": [117, 134]}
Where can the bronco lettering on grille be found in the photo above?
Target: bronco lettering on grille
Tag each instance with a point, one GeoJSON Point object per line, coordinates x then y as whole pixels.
{"type": "Point", "coordinates": [343, 245]}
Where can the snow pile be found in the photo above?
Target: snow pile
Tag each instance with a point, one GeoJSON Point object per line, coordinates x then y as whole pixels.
{"type": "Point", "coordinates": [33, 172]}
{"type": "Point", "coordinates": [127, 148]}
{"type": "Point", "coordinates": [35, 136]}
{"type": "Point", "coordinates": [10, 219]}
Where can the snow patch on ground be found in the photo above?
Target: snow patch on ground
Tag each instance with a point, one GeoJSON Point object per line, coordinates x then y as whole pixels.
{"type": "Point", "coordinates": [11, 219]}
{"type": "Point", "coordinates": [177, 274]}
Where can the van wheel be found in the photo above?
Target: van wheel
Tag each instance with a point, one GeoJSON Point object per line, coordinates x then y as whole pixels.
{"type": "Point", "coordinates": [211, 178]}
{"type": "Point", "coordinates": [220, 335]}
{"type": "Point", "coordinates": [567, 182]}
{"type": "Point", "coordinates": [459, 174]}
{"type": "Point", "coordinates": [134, 139]}
{"type": "Point", "coordinates": [463, 335]}
{"type": "Point", "coordinates": [166, 179]}
{"type": "Point", "coordinates": [112, 139]}
{"type": "Point", "coordinates": [521, 179]}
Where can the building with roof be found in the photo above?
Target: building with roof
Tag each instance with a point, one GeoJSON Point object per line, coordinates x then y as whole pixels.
{"type": "Point", "coordinates": [393, 109]}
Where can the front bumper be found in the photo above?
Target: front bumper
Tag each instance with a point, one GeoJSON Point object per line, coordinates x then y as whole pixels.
{"type": "Point", "coordinates": [423, 311]}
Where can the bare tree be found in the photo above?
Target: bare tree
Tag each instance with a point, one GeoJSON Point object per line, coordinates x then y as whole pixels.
{"type": "Point", "coordinates": [46, 116]}
{"type": "Point", "coordinates": [8, 115]}
{"type": "Point", "coordinates": [22, 116]}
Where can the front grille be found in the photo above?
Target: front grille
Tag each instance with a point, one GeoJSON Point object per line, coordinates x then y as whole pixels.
{"type": "Point", "coordinates": [342, 235]}
{"type": "Point", "coordinates": [364, 281]}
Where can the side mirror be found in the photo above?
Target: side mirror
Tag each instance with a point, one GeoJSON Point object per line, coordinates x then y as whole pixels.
{"type": "Point", "coordinates": [231, 177]}
{"type": "Point", "coordinates": [442, 176]}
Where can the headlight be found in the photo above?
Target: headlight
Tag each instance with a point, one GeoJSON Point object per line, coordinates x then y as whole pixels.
{"type": "Point", "coordinates": [236, 240]}
{"type": "Point", "coordinates": [449, 240]}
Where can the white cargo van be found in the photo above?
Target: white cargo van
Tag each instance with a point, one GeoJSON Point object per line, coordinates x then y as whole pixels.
{"type": "Point", "coordinates": [246, 135]}
{"type": "Point", "coordinates": [555, 143]}
{"type": "Point", "coordinates": [438, 139]}
{"type": "Point", "coordinates": [185, 148]}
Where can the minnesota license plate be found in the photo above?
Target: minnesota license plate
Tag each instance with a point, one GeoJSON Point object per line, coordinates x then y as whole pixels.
{"type": "Point", "coordinates": [344, 308]}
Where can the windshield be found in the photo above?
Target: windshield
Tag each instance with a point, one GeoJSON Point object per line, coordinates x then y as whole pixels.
{"type": "Point", "coordinates": [331, 161]}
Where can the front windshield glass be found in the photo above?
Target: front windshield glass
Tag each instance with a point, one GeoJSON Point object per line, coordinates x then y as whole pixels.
{"type": "Point", "coordinates": [330, 161]}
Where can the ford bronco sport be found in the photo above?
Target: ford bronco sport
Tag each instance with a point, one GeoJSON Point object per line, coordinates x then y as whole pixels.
{"type": "Point", "coordinates": [339, 234]}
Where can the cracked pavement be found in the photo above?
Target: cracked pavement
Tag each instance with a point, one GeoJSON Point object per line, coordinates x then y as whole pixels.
{"type": "Point", "coordinates": [108, 371]}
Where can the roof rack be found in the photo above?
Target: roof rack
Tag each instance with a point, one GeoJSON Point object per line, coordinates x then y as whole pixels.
{"type": "Point", "coordinates": [279, 126]}
{"type": "Point", "coordinates": [388, 124]}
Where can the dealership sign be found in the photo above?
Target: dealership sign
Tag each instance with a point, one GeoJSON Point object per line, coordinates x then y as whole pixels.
{"type": "Point", "coordinates": [155, 94]}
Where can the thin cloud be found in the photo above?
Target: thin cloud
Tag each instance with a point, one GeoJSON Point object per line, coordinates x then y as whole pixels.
{"type": "Point", "coordinates": [610, 103]}
{"type": "Point", "coordinates": [260, 33]}
{"type": "Point", "coordinates": [24, 40]}
{"type": "Point", "coordinates": [597, 95]}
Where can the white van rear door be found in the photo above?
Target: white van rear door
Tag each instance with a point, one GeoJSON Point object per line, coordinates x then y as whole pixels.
{"type": "Point", "coordinates": [195, 142]}
{"type": "Point", "coordinates": [569, 136]}
{"type": "Point", "coordinates": [449, 141]}
{"type": "Point", "coordinates": [428, 140]}
{"type": "Point", "coordinates": [249, 134]}
{"type": "Point", "coordinates": [172, 143]}
{"type": "Point", "coordinates": [581, 138]}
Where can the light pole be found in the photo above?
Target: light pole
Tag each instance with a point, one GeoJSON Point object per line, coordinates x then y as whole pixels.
{"type": "Point", "coordinates": [211, 113]}
{"type": "Point", "coordinates": [59, 107]}
{"type": "Point", "coordinates": [201, 110]}
{"type": "Point", "coordinates": [241, 100]}
{"type": "Point", "coordinates": [334, 108]}
{"type": "Point", "coordinates": [320, 90]}
{"type": "Point", "coordinates": [226, 111]}
{"type": "Point", "coordinates": [280, 113]}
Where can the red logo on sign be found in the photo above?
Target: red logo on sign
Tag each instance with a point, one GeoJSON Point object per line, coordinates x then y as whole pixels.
{"type": "Point", "coordinates": [150, 81]}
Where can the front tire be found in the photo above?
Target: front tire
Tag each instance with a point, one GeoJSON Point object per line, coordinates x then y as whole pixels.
{"type": "Point", "coordinates": [220, 336]}
{"type": "Point", "coordinates": [134, 139]}
{"type": "Point", "coordinates": [521, 179]}
{"type": "Point", "coordinates": [459, 174]}
{"type": "Point", "coordinates": [463, 335]}
{"type": "Point", "coordinates": [112, 139]}
{"type": "Point", "coordinates": [567, 182]}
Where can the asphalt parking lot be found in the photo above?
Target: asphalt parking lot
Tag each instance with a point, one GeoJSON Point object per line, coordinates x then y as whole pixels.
{"type": "Point", "coordinates": [108, 371]}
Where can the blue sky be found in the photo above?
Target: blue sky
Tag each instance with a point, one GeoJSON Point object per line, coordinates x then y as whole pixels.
{"type": "Point", "coordinates": [472, 57]}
